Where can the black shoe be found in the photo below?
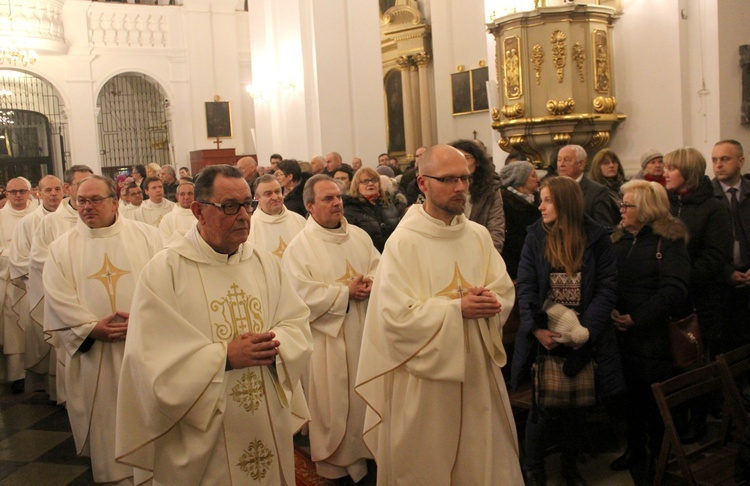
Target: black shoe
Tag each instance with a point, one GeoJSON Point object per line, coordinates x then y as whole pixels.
{"type": "Point", "coordinates": [535, 478]}
{"type": "Point", "coordinates": [628, 459]}
{"type": "Point", "coordinates": [17, 386]}
{"type": "Point", "coordinates": [571, 475]}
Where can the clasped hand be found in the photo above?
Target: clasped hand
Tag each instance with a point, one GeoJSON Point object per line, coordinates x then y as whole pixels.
{"type": "Point", "coordinates": [622, 322]}
{"type": "Point", "coordinates": [360, 288]}
{"type": "Point", "coordinates": [253, 349]}
{"type": "Point", "coordinates": [112, 328]}
{"type": "Point", "coordinates": [479, 303]}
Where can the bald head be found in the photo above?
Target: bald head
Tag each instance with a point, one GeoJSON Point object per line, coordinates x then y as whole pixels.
{"type": "Point", "coordinates": [51, 192]}
{"type": "Point", "coordinates": [333, 162]}
{"type": "Point", "coordinates": [248, 166]}
{"type": "Point", "coordinates": [444, 179]}
{"type": "Point", "coordinates": [318, 164]}
{"type": "Point", "coordinates": [431, 158]}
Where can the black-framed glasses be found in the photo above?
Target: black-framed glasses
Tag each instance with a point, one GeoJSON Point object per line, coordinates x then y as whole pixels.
{"type": "Point", "coordinates": [368, 181]}
{"type": "Point", "coordinates": [95, 201]}
{"type": "Point", "coordinates": [232, 208]}
{"type": "Point", "coordinates": [624, 205]}
{"type": "Point", "coordinates": [466, 179]}
{"type": "Point", "coordinates": [14, 192]}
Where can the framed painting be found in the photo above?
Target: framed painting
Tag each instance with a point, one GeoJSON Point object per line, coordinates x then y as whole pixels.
{"type": "Point", "coordinates": [461, 89]}
{"type": "Point", "coordinates": [218, 119]}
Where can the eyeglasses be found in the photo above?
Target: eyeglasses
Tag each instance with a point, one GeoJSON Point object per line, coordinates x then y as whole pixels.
{"type": "Point", "coordinates": [465, 179]}
{"type": "Point", "coordinates": [95, 201]}
{"type": "Point", "coordinates": [232, 208]}
{"type": "Point", "coordinates": [368, 181]}
{"type": "Point", "coordinates": [15, 192]}
{"type": "Point", "coordinates": [624, 205]}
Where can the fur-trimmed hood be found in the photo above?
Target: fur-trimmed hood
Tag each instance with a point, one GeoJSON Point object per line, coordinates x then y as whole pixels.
{"type": "Point", "coordinates": [669, 228]}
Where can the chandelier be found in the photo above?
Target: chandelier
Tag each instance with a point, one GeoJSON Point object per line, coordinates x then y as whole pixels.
{"type": "Point", "coordinates": [13, 55]}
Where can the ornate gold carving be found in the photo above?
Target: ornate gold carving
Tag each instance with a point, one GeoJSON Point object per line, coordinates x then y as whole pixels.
{"type": "Point", "coordinates": [561, 138]}
{"type": "Point", "coordinates": [404, 62]}
{"type": "Point", "coordinates": [559, 52]}
{"type": "Point", "coordinates": [605, 104]}
{"type": "Point", "coordinates": [512, 68]}
{"type": "Point", "coordinates": [256, 460]}
{"type": "Point", "coordinates": [349, 275]}
{"type": "Point", "coordinates": [598, 139]}
{"type": "Point", "coordinates": [537, 58]}
{"type": "Point", "coordinates": [108, 275]}
{"type": "Point", "coordinates": [513, 111]}
{"type": "Point", "coordinates": [422, 59]}
{"type": "Point", "coordinates": [495, 114]}
{"type": "Point", "coordinates": [241, 314]}
{"type": "Point", "coordinates": [601, 63]}
{"type": "Point", "coordinates": [579, 56]}
{"type": "Point", "coordinates": [457, 287]}
{"type": "Point", "coordinates": [248, 392]}
{"type": "Point", "coordinates": [560, 107]}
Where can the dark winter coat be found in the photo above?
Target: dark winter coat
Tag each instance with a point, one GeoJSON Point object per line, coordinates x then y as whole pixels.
{"type": "Point", "coordinates": [650, 295]}
{"type": "Point", "coordinates": [487, 210]}
{"type": "Point", "coordinates": [710, 244]}
{"type": "Point", "coordinates": [598, 298]}
{"type": "Point", "coordinates": [519, 214]}
{"type": "Point", "coordinates": [293, 199]}
{"type": "Point", "coordinates": [378, 220]}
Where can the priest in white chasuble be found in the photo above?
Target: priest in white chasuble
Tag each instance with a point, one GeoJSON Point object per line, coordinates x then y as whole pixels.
{"type": "Point", "coordinates": [49, 229]}
{"type": "Point", "coordinates": [438, 410]}
{"type": "Point", "coordinates": [152, 210]}
{"type": "Point", "coordinates": [331, 264]}
{"type": "Point", "coordinates": [218, 339]}
{"type": "Point", "coordinates": [181, 218]}
{"type": "Point", "coordinates": [273, 225]}
{"type": "Point", "coordinates": [36, 351]}
{"type": "Point", "coordinates": [89, 278]}
{"type": "Point", "coordinates": [13, 336]}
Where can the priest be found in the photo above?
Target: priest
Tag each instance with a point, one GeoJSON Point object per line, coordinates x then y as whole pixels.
{"type": "Point", "coordinates": [13, 336]}
{"type": "Point", "coordinates": [89, 280]}
{"type": "Point", "coordinates": [153, 209]}
{"type": "Point", "coordinates": [218, 401]}
{"type": "Point", "coordinates": [331, 264]}
{"type": "Point", "coordinates": [273, 225]}
{"type": "Point", "coordinates": [438, 411]}
{"type": "Point", "coordinates": [181, 218]}
{"type": "Point", "coordinates": [37, 351]}
{"type": "Point", "coordinates": [49, 229]}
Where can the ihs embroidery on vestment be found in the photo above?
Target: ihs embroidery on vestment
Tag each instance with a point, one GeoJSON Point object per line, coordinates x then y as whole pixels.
{"type": "Point", "coordinates": [240, 312]}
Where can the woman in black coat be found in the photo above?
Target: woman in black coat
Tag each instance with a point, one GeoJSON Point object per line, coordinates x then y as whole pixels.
{"type": "Point", "coordinates": [651, 290]}
{"type": "Point", "coordinates": [520, 201]}
{"type": "Point", "coordinates": [292, 182]}
{"type": "Point", "coordinates": [369, 207]}
{"type": "Point", "coordinates": [573, 251]}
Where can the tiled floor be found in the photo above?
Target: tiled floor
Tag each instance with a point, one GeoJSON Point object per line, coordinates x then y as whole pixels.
{"type": "Point", "coordinates": [36, 445]}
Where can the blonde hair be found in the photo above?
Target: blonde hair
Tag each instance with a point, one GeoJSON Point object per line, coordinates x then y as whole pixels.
{"type": "Point", "coordinates": [370, 173]}
{"type": "Point", "coordinates": [566, 236]}
{"type": "Point", "coordinates": [153, 169]}
{"type": "Point", "coordinates": [650, 199]}
{"type": "Point", "coordinates": [690, 163]}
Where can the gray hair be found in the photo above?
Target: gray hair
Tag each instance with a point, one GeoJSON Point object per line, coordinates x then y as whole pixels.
{"type": "Point", "coordinates": [70, 173]}
{"type": "Point", "coordinates": [262, 180]}
{"type": "Point", "coordinates": [580, 152]}
{"type": "Point", "coordinates": [308, 193]}
{"type": "Point", "coordinates": [204, 182]}
{"type": "Point", "coordinates": [111, 185]}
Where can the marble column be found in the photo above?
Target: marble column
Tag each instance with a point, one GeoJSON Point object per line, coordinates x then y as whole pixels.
{"type": "Point", "coordinates": [423, 60]}
{"type": "Point", "coordinates": [405, 63]}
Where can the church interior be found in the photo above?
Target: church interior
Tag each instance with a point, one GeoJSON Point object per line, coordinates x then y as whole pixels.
{"type": "Point", "coordinates": [114, 84]}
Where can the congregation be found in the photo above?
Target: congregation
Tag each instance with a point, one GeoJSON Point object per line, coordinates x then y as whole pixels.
{"type": "Point", "coordinates": [191, 325]}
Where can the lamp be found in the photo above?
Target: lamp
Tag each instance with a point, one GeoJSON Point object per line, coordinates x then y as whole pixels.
{"type": "Point", "coordinates": [12, 51]}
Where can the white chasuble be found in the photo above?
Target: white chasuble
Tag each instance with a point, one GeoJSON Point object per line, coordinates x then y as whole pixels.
{"type": "Point", "coordinates": [151, 213]}
{"type": "Point", "coordinates": [180, 415]}
{"type": "Point", "coordinates": [36, 350]}
{"type": "Point", "coordinates": [49, 229]}
{"type": "Point", "coordinates": [89, 274]}
{"type": "Point", "coordinates": [178, 220]}
{"type": "Point", "coordinates": [322, 263]}
{"type": "Point", "coordinates": [13, 335]}
{"type": "Point", "coordinates": [438, 410]}
{"type": "Point", "coordinates": [275, 232]}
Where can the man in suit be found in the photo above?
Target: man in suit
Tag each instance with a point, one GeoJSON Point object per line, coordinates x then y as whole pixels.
{"type": "Point", "coordinates": [571, 162]}
{"type": "Point", "coordinates": [728, 158]}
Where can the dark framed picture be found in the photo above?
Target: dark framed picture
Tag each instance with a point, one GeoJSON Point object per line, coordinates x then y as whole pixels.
{"type": "Point", "coordinates": [479, 78]}
{"type": "Point", "coordinates": [218, 119]}
{"type": "Point", "coordinates": [461, 89]}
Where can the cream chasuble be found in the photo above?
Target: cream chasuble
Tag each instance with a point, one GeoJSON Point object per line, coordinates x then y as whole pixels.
{"type": "Point", "coordinates": [179, 220]}
{"type": "Point", "coordinates": [274, 232]}
{"type": "Point", "coordinates": [49, 229]}
{"type": "Point", "coordinates": [321, 264]}
{"type": "Point", "coordinates": [13, 335]}
{"type": "Point", "coordinates": [89, 274]}
{"type": "Point", "coordinates": [36, 351]}
{"type": "Point", "coordinates": [180, 414]}
{"type": "Point", "coordinates": [151, 213]}
{"type": "Point", "coordinates": [129, 211]}
{"type": "Point", "coordinates": [438, 411]}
